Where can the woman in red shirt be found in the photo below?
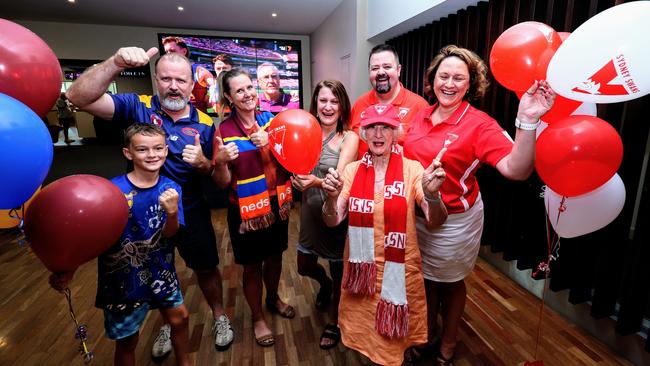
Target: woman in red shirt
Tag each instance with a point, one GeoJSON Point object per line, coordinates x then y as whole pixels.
{"type": "Point", "coordinates": [470, 138]}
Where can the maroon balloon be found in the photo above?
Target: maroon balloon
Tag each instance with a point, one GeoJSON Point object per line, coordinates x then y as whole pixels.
{"type": "Point", "coordinates": [578, 154]}
{"type": "Point", "coordinates": [30, 71]}
{"type": "Point", "coordinates": [75, 219]}
{"type": "Point", "coordinates": [296, 140]}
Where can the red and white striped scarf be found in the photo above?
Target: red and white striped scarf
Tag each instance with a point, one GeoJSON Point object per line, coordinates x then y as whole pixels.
{"type": "Point", "coordinates": [360, 277]}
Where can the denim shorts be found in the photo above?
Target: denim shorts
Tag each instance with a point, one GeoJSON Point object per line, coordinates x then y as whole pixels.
{"type": "Point", "coordinates": [121, 325]}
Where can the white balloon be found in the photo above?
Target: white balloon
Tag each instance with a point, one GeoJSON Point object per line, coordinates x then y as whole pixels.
{"type": "Point", "coordinates": [606, 59]}
{"type": "Point", "coordinates": [589, 109]}
{"type": "Point", "coordinates": [542, 126]}
{"type": "Point", "coordinates": [588, 212]}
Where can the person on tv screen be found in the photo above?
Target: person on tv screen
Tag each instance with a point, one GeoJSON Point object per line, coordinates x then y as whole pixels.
{"type": "Point", "coordinates": [202, 77]}
{"type": "Point", "coordinates": [222, 62]}
{"type": "Point", "coordinates": [273, 99]}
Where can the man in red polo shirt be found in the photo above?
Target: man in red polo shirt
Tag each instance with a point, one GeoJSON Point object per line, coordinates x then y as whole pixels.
{"type": "Point", "coordinates": [384, 71]}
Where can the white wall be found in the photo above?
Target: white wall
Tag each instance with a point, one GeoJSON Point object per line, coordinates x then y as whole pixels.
{"type": "Point", "coordinates": [390, 18]}
{"type": "Point", "coordinates": [340, 50]}
{"type": "Point", "coordinates": [98, 42]}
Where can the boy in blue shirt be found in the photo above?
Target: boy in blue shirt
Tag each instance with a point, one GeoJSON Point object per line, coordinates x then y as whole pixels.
{"type": "Point", "coordinates": [137, 273]}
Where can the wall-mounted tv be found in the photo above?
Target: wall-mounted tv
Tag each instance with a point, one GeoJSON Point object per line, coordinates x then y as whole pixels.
{"type": "Point", "coordinates": [274, 64]}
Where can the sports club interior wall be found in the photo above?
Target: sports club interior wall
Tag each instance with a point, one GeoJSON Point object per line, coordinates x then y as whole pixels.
{"type": "Point", "coordinates": [98, 42]}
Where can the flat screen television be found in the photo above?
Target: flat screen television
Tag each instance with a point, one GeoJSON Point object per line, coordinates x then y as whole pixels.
{"type": "Point", "coordinates": [278, 61]}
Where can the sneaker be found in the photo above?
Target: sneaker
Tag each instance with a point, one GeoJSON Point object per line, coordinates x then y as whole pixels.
{"type": "Point", "coordinates": [223, 333]}
{"type": "Point", "coordinates": [162, 346]}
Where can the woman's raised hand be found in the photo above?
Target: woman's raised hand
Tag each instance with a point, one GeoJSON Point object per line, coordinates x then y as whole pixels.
{"type": "Point", "coordinates": [535, 102]}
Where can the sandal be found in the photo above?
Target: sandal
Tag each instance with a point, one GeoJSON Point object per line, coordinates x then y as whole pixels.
{"type": "Point", "coordinates": [331, 332]}
{"type": "Point", "coordinates": [415, 354]}
{"type": "Point", "coordinates": [440, 359]}
{"type": "Point", "coordinates": [265, 340]}
{"type": "Point", "coordinates": [323, 297]}
{"type": "Point", "coordinates": [288, 312]}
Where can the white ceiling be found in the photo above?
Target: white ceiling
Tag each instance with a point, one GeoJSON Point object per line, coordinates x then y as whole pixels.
{"type": "Point", "coordinates": [294, 16]}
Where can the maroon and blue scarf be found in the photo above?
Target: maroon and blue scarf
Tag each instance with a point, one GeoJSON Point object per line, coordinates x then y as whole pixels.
{"type": "Point", "coordinates": [252, 190]}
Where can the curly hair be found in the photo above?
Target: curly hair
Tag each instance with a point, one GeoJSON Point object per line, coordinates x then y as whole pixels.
{"type": "Point", "coordinates": [475, 65]}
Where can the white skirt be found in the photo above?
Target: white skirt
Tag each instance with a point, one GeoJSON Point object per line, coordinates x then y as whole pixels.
{"type": "Point", "coordinates": [449, 251]}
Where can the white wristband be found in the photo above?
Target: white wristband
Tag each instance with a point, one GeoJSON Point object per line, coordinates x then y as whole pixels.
{"type": "Point", "coordinates": [526, 126]}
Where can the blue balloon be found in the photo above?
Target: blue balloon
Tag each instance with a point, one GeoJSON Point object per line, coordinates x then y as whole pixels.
{"type": "Point", "coordinates": [25, 152]}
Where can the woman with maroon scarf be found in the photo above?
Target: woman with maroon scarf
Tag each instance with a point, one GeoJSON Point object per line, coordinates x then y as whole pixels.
{"type": "Point", "coordinates": [260, 198]}
{"type": "Point", "coordinates": [383, 307]}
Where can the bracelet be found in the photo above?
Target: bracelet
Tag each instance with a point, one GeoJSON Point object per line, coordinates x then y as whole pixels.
{"type": "Point", "coordinates": [329, 214]}
{"type": "Point", "coordinates": [433, 200]}
{"type": "Point", "coordinates": [526, 126]}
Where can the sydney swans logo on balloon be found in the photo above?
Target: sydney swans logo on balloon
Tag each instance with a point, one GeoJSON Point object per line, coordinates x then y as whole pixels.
{"type": "Point", "coordinates": [615, 78]}
{"type": "Point", "coordinates": [277, 137]}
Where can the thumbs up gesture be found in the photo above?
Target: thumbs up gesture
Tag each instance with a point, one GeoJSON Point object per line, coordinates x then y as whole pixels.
{"type": "Point", "coordinates": [260, 138]}
{"type": "Point", "coordinates": [193, 154]}
{"type": "Point", "coordinates": [224, 153]}
{"type": "Point", "coordinates": [127, 57]}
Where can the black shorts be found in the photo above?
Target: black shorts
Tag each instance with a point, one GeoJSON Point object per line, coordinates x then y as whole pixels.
{"type": "Point", "coordinates": [196, 241]}
{"type": "Point", "coordinates": [254, 247]}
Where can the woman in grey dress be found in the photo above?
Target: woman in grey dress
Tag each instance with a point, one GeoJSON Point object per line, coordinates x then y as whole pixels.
{"type": "Point", "coordinates": [331, 106]}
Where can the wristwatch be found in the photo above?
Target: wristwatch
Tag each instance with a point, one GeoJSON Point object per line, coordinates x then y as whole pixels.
{"type": "Point", "coordinates": [526, 126]}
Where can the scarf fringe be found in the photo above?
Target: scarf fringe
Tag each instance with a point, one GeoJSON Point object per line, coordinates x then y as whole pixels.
{"type": "Point", "coordinates": [392, 320]}
{"type": "Point", "coordinates": [360, 278]}
{"type": "Point", "coordinates": [285, 210]}
{"type": "Point", "coordinates": [257, 223]}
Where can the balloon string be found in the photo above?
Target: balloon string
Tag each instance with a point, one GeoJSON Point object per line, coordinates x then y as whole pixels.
{"type": "Point", "coordinates": [81, 331]}
{"type": "Point", "coordinates": [541, 314]}
{"type": "Point", "coordinates": [19, 214]}
{"type": "Point", "coordinates": [553, 247]}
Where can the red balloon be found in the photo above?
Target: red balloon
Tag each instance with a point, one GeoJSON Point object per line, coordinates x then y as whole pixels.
{"type": "Point", "coordinates": [296, 140]}
{"type": "Point", "coordinates": [578, 154]}
{"type": "Point", "coordinates": [562, 107]}
{"type": "Point", "coordinates": [522, 53]}
{"type": "Point", "coordinates": [74, 220]}
{"type": "Point", "coordinates": [30, 71]}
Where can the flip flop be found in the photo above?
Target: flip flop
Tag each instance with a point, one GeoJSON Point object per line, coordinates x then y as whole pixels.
{"type": "Point", "coordinates": [331, 332]}
{"type": "Point", "coordinates": [265, 340]}
{"type": "Point", "coordinates": [289, 312]}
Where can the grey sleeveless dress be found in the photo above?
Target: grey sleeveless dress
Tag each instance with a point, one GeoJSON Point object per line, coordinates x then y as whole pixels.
{"type": "Point", "coordinates": [314, 234]}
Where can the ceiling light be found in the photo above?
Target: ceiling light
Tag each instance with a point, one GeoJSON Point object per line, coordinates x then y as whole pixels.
{"type": "Point", "coordinates": [71, 1]}
{"type": "Point", "coordinates": [180, 8]}
{"type": "Point", "coordinates": [274, 14]}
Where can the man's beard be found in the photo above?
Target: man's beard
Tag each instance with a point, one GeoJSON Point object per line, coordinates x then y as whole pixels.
{"type": "Point", "coordinates": [382, 89]}
{"type": "Point", "coordinates": [174, 105]}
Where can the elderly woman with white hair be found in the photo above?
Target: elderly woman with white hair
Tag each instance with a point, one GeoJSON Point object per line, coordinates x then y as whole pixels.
{"type": "Point", "coordinates": [383, 306]}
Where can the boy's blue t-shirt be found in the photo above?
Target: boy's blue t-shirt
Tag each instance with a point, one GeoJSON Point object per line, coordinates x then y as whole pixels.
{"type": "Point", "coordinates": [140, 266]}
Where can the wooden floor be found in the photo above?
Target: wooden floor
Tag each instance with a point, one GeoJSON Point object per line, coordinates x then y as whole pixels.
{"type": "Point", "coordinates": [499, 326]}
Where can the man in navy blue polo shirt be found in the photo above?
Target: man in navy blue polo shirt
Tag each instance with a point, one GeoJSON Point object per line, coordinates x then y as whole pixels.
{"type": "Point", "coordinates": [189, 137]}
